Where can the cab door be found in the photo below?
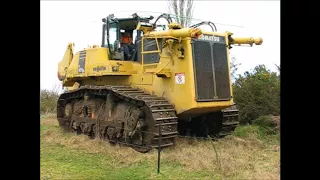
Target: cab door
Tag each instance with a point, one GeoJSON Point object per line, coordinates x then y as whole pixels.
{"type": "Point", "coordinates": [112, 37]}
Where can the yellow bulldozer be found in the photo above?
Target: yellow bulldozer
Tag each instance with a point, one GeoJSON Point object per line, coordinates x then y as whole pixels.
{"type": "Point", "coordinates": [163, 83]}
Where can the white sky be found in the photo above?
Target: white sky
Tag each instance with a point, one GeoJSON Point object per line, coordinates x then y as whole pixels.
{"type": "Point", "coordinates": [80, 22]}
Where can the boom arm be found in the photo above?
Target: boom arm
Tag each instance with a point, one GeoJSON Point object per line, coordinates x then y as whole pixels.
{"type": "Point", "coordinates": [242, 40]}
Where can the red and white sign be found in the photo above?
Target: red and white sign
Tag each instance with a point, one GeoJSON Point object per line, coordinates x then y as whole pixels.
{"type": "Point", "coordinates": [180, 78]}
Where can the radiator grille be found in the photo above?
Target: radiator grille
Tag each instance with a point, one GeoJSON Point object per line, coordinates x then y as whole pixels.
{"type": "Point", "coordinates": [222, 76]}
{"type": "Point", "coordinates": [212, 79]}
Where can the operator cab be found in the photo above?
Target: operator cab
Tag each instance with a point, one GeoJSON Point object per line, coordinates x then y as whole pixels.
{"type": "Point", "coordinates": [115, 30]}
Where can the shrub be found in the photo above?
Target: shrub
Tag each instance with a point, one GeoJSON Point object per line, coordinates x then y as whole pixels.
{"type": "Point", "coordinates": [269, 123]}
{"type": "Point", "coordinates": [48, 100]}
{"type": "Point", "coordinates": [257, 93]}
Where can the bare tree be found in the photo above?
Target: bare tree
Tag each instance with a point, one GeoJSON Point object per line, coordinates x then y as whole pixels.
{"type": "Point", "coordinates": [278, 68]}
{"type": "Point", "coordinates": [234, 67]}
{"type": "Point", "coordinates": [183, 10]}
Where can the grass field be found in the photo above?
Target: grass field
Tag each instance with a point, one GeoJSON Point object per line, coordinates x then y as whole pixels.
{"type": "Point", "coordinates": [248, 154]}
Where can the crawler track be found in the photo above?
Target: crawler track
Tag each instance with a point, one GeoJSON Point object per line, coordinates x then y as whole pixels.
{"type": "Point", "coordinates": [216, 125]}
{"type": "Point", "coordinates": [229, 121]}
{"type": "Point", "coordinates": [129, 116]}
{"type": "Point", "coordinates": [142, 135]}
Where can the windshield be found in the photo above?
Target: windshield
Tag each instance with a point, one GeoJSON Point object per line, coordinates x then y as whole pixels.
{"type": "Point", "coordinates": [113, 34]}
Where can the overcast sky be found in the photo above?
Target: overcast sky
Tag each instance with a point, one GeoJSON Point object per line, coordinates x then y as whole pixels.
{"type": "Point", "coordinates": [80, 22]}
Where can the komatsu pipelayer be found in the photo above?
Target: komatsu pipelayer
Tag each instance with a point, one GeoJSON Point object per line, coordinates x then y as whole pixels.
{"type": "Point", "coordinates": [177, 78]}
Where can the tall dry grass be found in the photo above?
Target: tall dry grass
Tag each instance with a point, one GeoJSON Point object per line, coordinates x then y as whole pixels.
{"type": "Point", "coordinates": [232, 157]}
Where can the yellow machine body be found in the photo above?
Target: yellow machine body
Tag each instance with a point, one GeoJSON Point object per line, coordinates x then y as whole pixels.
{"type": "Point", "coordinates": [172, 77]}
{"type": "Point", "coordinates": [167, 82]}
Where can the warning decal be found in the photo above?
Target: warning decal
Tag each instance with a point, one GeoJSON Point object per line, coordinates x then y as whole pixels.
{"type": "Point", "coordinates": [180, 78]}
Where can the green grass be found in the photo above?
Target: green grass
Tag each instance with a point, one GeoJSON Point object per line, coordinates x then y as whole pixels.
{"type": "Point", "coordinates": [61, 162]}
{"type": "Point", "coordinates": [66, 156]}
{"type": "Point", "coordinates": [265, 134]}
